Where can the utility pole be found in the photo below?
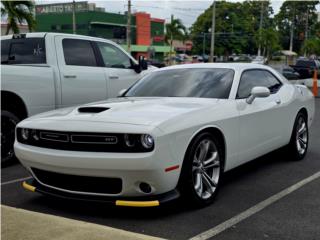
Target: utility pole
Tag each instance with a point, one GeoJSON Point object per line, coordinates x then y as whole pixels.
{"type": "Point", "coordinates": [260, 28]}
{"type": "Point", "coordinates": [171, 41]}
{"type": "Point", "coordinates": [74, 17]}
{"type": "Point", "coordinates": [129, 27]}
{"type": "Point", "coordinates": [213, 30]}
{"type": "Point", "coordinates": [292, 27]}
{"type": "Point", "coordinates": [307, 27]}
{"type": "Point", "coordinates": [204, 44]}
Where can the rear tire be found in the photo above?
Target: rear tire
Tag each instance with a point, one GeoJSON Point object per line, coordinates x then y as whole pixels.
{"type": "Point", "coordinates": [201, 171]}
{"type": "Point", "coordinates": [299, 141]}
{"type": "Point", "coordinates": [8, 125]}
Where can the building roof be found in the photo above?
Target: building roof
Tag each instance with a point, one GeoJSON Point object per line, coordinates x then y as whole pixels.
{"type": "Point", "coordinates": [111, 24]}
{"type": "Point", "coordinates": [144, 48]}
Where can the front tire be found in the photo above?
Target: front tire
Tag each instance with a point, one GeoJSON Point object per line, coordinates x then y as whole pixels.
{"type": "Point", "coordinates": [201, 171]}
{"type": "Point", "coordinates": [299, 142]}
{"type": "Point", "coordinates": [8, 125]}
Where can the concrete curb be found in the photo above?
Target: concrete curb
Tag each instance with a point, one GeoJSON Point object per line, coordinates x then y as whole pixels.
{"type": "Point", "coordinates": [20, 224]}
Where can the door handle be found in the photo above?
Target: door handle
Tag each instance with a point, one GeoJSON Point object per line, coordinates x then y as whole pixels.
{"type": "Point", "coordinates": [113, 77]}
{"type": "Point", "coordinates": [278, 101]}
{"type": "Point", "coordinates": [70, 76]}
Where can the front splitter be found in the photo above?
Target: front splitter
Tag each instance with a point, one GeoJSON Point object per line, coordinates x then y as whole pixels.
{"type": "Point", "coordinates": [144, 201]}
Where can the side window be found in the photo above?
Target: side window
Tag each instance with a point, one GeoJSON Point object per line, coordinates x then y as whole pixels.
{"type": "Point", "coordinates": [272, 82]}
{"type": "Point", "coordinates": [23, 51]}
{"type": "Point", "coordinates": [78, 52]}
{"type": "Point", "coordinates": [253, 78]}
{"type": "Point", "coordinates": [113, 57]}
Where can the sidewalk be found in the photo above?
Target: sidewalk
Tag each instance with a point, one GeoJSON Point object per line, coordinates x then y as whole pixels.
{"type": "Point", "coordinates": [19, 224]}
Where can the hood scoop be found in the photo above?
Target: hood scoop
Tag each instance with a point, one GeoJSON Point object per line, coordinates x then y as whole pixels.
{"type": "Point", "coordinates": [92, 109]}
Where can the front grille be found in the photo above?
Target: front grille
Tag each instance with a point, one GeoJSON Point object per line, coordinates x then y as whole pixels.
{"type": "Point", "coordinates": [75, 183]}
{"type": "Point", "coordinates": [81, 141]}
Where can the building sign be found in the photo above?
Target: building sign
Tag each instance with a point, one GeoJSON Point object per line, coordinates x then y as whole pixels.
{"type": "Point", "coordinates": [62, 7]}
{"type": "Point", "coordinates": [158, 38]}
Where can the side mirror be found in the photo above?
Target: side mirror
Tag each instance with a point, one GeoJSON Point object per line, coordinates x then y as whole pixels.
{"type": "Point", "coordinates": [121, 92]}
{"type": "Point", "coordinates": [143, 63]}
{"type": "Point", "coordinates": [258, 92]}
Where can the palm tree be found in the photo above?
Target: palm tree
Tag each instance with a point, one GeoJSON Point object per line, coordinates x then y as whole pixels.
{"type": "Point", "coordinates": [18, 12]}
{"type": "Point", "coordinates": [175, 30]}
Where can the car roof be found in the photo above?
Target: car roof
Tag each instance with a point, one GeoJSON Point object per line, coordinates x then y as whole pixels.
{"type": "Point", "coordinates": [233, 66]}
{"type": "Point", "coordinates": [43, 34]}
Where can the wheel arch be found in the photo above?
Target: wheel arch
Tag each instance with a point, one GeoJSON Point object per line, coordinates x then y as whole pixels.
{"type": "Point", "coordinates": [13, 103]}
{"type": "Point", "coordinates": [217, 132]}
{"type": "Point", "coordinates": [303, 110]}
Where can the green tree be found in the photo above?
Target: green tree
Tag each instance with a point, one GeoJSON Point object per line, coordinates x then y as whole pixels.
{"type": "Point", "coordinates": [302, 16]}
{"type": "Point", "coordinates": [311, 46]}
{"type": "Point", "coordinates": [175, 30]}
{"type": "Point", "coordinates": [269, 41]}
{"type": "Point", "coordinates": [18, 12]}
{"type": "Point", "coordinates": [236, 25]}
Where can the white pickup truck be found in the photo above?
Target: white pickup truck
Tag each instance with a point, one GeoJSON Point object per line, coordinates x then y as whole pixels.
{"type": "Point", "coordinates": [45, 71]}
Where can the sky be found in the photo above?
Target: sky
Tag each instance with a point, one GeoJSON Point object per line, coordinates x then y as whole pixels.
{"type": "Point", "coordinates": [186, 10]}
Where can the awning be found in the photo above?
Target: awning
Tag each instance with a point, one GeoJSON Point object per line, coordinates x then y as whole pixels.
{"type": "Point", "coordinates": [288, 53]}
{"type": "Point", "coordinates": [143, 48]}
{"type": "Point", "coordinates": [111, 24]}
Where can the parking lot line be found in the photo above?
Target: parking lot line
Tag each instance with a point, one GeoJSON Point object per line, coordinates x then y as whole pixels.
{"type": "Point", "coordinates": [253, 210]}
{"type": "Point", "coordinates": [15, 180]}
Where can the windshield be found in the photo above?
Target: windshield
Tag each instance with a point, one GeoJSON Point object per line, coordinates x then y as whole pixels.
{"type": "Point", "coordinates": [188, 82]}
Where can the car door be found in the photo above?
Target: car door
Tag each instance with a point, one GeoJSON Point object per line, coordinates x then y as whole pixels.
{"type": "Point", "coordinates": [118, 68]}
{"type": "Point", "coordinates": [82, 79]}
{"type": "Point", "coordinates": [260, 122]}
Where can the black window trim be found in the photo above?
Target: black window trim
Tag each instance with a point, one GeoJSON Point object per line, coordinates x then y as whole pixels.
{"type": "Point", "coordinates": [255, 69]}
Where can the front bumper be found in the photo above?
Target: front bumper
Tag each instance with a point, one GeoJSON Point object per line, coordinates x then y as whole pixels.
{"type": "Point", "coordinates": [131, 168]}
{"type": "Point", "coordinates": [149, 201]}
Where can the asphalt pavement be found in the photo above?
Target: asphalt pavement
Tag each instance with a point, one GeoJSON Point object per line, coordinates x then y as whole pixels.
{"type": "Point", "coordinates": [294, 216]}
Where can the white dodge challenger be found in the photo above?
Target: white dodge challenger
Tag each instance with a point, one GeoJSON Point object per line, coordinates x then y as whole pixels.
{"type": "Point", "coordinates": [173, 133]}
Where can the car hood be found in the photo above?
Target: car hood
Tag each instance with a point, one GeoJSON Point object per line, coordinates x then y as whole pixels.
{"type": "Point", "coordinates": [139, 111]}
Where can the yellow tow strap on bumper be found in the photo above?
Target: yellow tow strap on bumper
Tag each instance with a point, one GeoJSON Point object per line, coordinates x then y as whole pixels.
{"type": "Point", "coordinates": [28, 187]}
{"type": "Point", "coordinates": [137, 203]}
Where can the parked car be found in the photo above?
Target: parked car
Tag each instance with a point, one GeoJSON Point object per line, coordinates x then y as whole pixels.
{"type": "Point", "coordinates": [157, 142]}
{"type": "Point", "coordinates": [240, 58]}
{"type": "Point", "coordinates": [259, 60]}
{"type": "Point", "coordinates": [156, 63]}
{"type": "Point", "coordinates": [45, 71]}
{"type": "Point", "coordinates": [306, 67]}
{"type": "Point", "coordinates": [290, 73]}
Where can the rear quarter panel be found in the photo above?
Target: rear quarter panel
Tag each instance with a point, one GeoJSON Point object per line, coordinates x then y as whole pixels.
{"type": "Point", "coordinates": [34, 84]}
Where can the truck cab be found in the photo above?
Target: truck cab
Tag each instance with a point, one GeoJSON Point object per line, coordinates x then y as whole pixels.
{"type": "Point", "coordinates": [46, 71]}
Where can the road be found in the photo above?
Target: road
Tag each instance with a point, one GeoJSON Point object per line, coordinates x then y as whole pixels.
{"type": "Point", "coordinates": [293, 216]}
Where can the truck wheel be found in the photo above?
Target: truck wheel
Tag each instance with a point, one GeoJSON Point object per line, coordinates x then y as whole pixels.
{"type": "Point", "coordinates": [8, 125]}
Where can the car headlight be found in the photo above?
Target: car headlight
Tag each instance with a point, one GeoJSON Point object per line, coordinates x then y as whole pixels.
{"type": "Point", "coordinates": [147, 141]}
{"type": "Point", "coordinates": [25, 133]}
